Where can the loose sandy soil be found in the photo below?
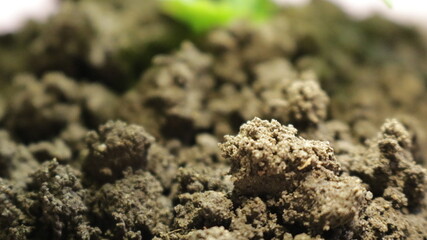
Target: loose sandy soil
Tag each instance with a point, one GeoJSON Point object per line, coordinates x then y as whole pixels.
{"type": "Point", "coordinates": [308, 127]}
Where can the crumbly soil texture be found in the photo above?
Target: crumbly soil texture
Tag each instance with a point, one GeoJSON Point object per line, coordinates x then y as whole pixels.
{"type": "Point", "coordinates": [117, 123]}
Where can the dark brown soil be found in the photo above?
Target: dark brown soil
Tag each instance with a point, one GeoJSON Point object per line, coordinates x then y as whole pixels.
{"type": "Point", "coordinates": [307, 127]}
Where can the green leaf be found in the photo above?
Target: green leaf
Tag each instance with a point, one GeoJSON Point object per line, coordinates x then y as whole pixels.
{"type": "Point", "coordinates": [388, 3]}
{"type": "Point", "coordinates": [202, 15]}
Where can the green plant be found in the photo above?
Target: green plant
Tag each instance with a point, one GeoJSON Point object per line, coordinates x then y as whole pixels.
{"type": "Point", "coordinates": [202, 15]}
{"type": "Point", "coordinates": [388, 3]}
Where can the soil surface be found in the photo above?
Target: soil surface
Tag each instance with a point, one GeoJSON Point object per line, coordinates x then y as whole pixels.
{"type": "Point", "coordinates": [117, 123]}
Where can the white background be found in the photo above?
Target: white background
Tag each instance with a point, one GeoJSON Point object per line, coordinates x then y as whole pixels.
{"type": "Point", "coordinates": [13, 13]}
{"type": "Point", "coordinates": [405, 11]}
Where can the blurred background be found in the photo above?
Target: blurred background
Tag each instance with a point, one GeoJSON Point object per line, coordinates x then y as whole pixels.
{"type": "Point", "coordinates": [13, 14]}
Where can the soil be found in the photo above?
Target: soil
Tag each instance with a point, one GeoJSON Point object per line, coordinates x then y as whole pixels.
{"type": "Point", "coordinates": [309, 126]}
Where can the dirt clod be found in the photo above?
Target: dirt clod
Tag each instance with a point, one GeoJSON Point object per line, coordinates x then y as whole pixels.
{"type": "Point", "coordinates": [113, 149]}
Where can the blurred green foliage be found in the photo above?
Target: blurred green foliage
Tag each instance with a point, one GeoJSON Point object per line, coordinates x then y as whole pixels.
{"type": "Point", "coordinates": [388, 3]}
{"type": "Point", "coordinates": [202, 15]}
